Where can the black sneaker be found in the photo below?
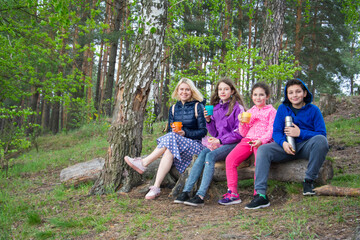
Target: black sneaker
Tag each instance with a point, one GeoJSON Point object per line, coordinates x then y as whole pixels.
{"type": "Point", "coordinates": [258, 202]}
{"type": "Point", "coordinates": [184, 196]}
{"type": "Point", "coordinates": [308, 188]}
{"type": "Point", "coordinates": [195, 201]}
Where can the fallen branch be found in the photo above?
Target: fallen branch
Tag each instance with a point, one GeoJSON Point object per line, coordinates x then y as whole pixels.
{"type": "Point", "coordinates": [329, 190]}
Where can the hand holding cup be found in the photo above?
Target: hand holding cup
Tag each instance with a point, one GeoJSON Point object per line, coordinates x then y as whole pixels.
{"type": "Point", "coordinates": [176, 126]}
{"type": "Point", "coordinates": [244, 117]}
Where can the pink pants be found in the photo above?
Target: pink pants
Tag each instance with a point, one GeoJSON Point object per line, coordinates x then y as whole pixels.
{"type": "Point", "coordinates": [239, 154]}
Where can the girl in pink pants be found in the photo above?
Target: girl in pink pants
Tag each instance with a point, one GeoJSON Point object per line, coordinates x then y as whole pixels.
{"type": "Point", "coordinates": [256, 132]}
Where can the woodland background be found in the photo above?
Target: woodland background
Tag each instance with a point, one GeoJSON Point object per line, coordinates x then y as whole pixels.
{"type": "Point", "coordinates": [62, 61]}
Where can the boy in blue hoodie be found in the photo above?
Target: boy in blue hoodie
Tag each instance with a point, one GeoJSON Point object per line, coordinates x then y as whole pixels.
{"type": "Point", "coordinates": [310, 136]}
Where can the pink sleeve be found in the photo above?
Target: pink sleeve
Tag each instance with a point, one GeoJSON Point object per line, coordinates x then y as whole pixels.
{"type": "Point", "coordinates": [243, 129]}
{"type": "Point", "coordinates": [267, 136]}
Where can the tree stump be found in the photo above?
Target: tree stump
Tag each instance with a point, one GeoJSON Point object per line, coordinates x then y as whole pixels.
{"type": "Point", "coordinates": [82, 172]}
{"type": "Point", "coordinates": [327, 104]}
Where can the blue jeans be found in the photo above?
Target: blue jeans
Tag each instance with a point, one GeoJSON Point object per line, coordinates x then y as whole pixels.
{"type": "Point", "coordinates": [313, 149]}
{"type": "Point", "coordinates": [206, 160]}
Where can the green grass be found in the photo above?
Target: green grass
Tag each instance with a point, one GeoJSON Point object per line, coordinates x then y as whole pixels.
{"type": "Point", "coordinates": [345, 131]}
{"type": "Point", "coordinates": [33, 205]}
{"type": "Point", "coordinates": [149, 140]}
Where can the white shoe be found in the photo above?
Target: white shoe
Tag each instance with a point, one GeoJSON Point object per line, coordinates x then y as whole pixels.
{"type": "Point", "coordinates": [153, 193]}
{"type": "Point", "coordinates": [135, 163]}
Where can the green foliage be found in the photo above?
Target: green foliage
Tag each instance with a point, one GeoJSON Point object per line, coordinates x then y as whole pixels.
{"type": "Point", "coordinates": [149, 139]}
{"type": "Point", "coordinates": [82, 112]}
{"type": "Point", "coordinates": [149, 117]}
{"type": "Point", "coordinates": [14, 139]}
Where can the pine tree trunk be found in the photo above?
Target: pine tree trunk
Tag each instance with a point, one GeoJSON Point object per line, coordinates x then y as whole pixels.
{"type": "Point", "coordinates": [112, 58]}
{"type": "Point", "coordinates": [271, 39]}
{"type": "Point", "coordinates": [241, 18]}
{"type": "Point", "coordinates": [125, 134]}
{"type": "Point", "coordinates": [34, 99]}
{"type": "Point", "coordinates": [98, 81]}
{"type": "Point", "coordinates": [227, 26]}
{"type": "Point", "coordinates": [55, 115]}
{"type": "Point", "coordinates": [45, 118]}
{"type": "Point", "coordinates": [298, 38]}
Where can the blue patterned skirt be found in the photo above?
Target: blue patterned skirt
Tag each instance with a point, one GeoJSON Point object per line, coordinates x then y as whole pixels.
{"type": "Point", "coordinates": [181, 147]}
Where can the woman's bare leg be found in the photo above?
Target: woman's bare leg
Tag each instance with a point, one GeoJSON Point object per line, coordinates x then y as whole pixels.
{"type": "Point", "coordinates": [153, 156]}
{"type": "Point", "coordinates": [164, 167]}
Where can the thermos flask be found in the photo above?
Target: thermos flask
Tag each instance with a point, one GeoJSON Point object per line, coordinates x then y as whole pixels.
{"type": "Point", "coordinates": [291, 140]}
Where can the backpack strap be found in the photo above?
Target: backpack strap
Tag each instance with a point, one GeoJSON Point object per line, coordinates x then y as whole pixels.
{"type": "Point", "coordinates": [196, 112]}
{"type": "Point", "coordinates": [173, 109]}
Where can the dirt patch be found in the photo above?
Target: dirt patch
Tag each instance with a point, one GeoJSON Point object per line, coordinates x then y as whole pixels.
{"type": "Point", "coordinates": [346, 159]}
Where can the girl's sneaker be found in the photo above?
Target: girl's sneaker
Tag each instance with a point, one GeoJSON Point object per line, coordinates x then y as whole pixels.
{"type": "Point", "coordinates": [195, 201]}
{"type": "Point", "coordinates": [153, 193]}
{"type": "Point", "coordinates": [259, 201]}
{"type": "Point", "coordinates": [135, 163]}
{"type": "Point", "coordinates": [230, 198]}
{"type": "Point", "coordinates": [184, 196]}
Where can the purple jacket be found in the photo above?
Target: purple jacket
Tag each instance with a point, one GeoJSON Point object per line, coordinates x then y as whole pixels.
{"type": "Point", "coordinates": [225, 127]}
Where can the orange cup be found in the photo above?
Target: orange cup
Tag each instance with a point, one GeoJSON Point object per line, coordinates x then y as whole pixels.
{"type": "Point", "coordinates": [245, 117]}
{"type": "Point", "coordinates": [177, 126]}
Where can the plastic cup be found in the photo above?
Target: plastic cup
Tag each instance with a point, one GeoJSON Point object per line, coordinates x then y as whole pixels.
{"type": "Point", "coordinates": [209, 109]}
{"type": "Point", "coordinates": [245, 117]}
{"type": "Point", "coordinates": [177, 126]}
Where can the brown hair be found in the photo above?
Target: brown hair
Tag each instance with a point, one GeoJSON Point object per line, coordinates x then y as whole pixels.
{"type": "Point", "coordinates": [263, 86]}
{"type": "Point", "coordinates": [235, 97]}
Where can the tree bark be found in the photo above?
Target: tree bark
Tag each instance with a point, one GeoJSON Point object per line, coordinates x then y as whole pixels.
{"type": "Point", "coordinates": [34, 100]}
{"type": "Point", "coordinates": [240, 16]}
{"type": "Point", "coordinates": [227, 27]}
{"type": "Point", "coordinates": [125, 134]}
{"type": "Point", "coordinates": [55, 115]}
{"type": "Point", "coordinates": [271, 38]}
{"type": "Point", "coordinates": [98, 81]}
{"type": "Point", "coordinates": [298, 39]}
{"type": "Point", "coordinates": [327, 104]}
{"type": "Point", "coordinates": [112, 58]}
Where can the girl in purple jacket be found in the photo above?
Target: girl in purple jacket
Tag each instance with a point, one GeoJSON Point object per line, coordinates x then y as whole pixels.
{"type": "Point", "coordinates": [222, 126]}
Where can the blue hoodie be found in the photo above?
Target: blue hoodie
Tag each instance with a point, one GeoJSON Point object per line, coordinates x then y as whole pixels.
{"type": "Point", "coordinates": [309, 119]}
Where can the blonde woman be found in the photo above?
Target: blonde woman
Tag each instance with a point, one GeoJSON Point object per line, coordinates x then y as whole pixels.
{"type": "Point", "coordinates": [176, 147]}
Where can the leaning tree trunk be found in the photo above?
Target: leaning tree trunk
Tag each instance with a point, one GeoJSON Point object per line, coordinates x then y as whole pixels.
{"type": "Point", "coordinates": [139, 70]}
{"type": "Point", "coordinates": [271, 39]}
{"type": "Point", "coordinates": [119, 4]}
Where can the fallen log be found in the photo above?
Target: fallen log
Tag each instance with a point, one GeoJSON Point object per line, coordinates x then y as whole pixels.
{"type": "Point", "coordinates": [82, 172]}
{"type": "Point", "coordinates": [328, 190]}
{"type": "Point", "coordinates": [292, 171]}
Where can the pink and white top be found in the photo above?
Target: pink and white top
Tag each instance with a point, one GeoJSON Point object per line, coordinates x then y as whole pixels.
{"type": "Point", "coordinates": [261, 123]}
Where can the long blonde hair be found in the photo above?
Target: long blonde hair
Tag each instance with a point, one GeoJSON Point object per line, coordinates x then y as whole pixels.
{"type": "Point", "coordinates": [195, 93]}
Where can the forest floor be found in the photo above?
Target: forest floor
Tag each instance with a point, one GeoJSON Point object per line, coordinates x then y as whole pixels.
{"type": "Point", "coordinates": [214, 221]}
{"type": "Point", "coordinates": [129, 216]}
